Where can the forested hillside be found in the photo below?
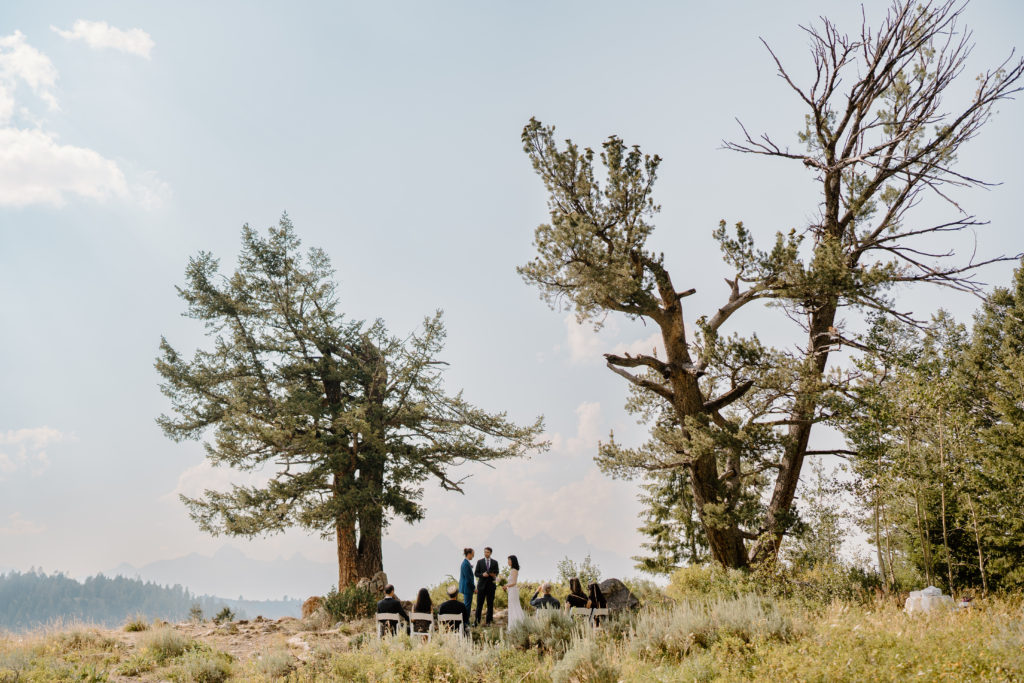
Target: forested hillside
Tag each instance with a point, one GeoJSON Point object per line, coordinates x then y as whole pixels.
{"type": "Point", "coordinates": [32, 599]}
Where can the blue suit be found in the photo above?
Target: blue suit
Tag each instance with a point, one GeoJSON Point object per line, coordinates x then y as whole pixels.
{"type": "Point", "coordinates": [466, 583]}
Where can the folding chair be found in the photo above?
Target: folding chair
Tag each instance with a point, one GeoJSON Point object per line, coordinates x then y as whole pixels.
{"type": "Point", "coordinates": [387, 617]}
{"type": "Point", "coordinates": [446, 620]}
{"type": "Point", "coordinates": [421, 616]}
{"type": "Point", "coordinates": [584, 612]}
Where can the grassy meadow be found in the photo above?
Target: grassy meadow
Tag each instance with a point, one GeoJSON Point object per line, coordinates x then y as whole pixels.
{"type": "Point", "coordinates": [704, 626]}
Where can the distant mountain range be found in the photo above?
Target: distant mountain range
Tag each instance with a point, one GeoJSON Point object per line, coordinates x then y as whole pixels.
{"type": "Point", "coordinates": [229, 572]}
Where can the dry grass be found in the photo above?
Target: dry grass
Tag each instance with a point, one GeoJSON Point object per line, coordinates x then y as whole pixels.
{"type": "Point", "coordinates": [743, 638]}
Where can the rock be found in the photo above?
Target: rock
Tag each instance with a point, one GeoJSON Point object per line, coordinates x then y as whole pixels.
{"type": "Point", "coordinates": [931, 598]}
{"type": "Point", "coordinates": [377, 583]}
{"type": "Point", "coordinates": [296, 641]}
{"type": "Point", "coordinates": [311, 605]}
{"type": "Point", "coordinates": [618, 595]}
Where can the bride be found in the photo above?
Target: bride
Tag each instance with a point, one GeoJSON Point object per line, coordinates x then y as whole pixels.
{"type": "Point", "coordinates": [515, 608]}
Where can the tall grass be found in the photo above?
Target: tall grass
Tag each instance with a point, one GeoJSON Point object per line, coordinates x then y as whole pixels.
{"type": "Point", "coordinates": [694, 625]}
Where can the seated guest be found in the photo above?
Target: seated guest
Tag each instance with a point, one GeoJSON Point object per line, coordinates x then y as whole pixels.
{"type": "Point", "coordinates": [455, 606]}
{"type": "Point", "coordinates": [576, 596]}
{"type": "Point", "coordinates": [596, 600]}
{"type": "Point", "coordinates": [545, 601]}
{"type": "Point", "coordinates": [423, 606]}
{"type": "Point", "coordinates": [391, 605]}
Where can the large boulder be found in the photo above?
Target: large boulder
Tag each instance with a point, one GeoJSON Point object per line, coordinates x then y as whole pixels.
{"type": "Point", "coordinates": [619, 597]}
{"type": "Point", "coordinates": [927, 600]}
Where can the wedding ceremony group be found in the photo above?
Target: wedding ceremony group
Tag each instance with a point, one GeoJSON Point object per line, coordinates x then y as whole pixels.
{"type": "Point", "coordinates": [483, 582]}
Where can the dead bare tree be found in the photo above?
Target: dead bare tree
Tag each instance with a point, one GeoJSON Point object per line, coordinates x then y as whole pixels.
{"type": "Point", "coordinates": [880, 140]}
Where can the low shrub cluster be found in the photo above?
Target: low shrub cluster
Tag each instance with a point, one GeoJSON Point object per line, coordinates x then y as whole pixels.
{"type": "Point", "coordinates": [350, 602]}
{"type": "Point", "coordinates": [549, 631]}
{"type": "Point", "coordinates": [165, 643]}
{"type": "Point", "coordinates": [815, 586]}
{"type": "Point", "coordinates": [696, 625]}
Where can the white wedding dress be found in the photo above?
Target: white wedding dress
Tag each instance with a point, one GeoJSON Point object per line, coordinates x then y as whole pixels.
{"type": "Point", "coordinates": [515, 608]}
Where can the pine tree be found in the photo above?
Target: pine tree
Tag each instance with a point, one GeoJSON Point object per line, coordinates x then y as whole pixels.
{"type": "Point", "coordinates": [346, 421]}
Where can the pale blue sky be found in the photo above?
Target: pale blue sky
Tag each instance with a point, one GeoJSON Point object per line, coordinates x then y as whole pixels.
{"type": "Point", "coordinates": [390, 134]}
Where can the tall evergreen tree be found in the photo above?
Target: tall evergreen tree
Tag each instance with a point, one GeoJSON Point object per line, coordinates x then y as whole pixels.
{"type": "Point", "coordinates": [345, 421]}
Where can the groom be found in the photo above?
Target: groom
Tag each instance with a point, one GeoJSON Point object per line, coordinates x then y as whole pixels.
{"type": "Point", "coordinates": [487, 572]}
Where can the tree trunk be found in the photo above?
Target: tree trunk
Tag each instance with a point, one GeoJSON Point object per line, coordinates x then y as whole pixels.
{"type": "Point", "coordinates": [345, 533]}
{"type": "Point", "coordinates": [371, 517]}
{"type": "Point", "coordinates": [925, 552]}
{"type": "Point", "coordinates": [888, 550]}
{"type": "Point", "coordinates": [878, 545]}
{"type": "Point", "coordinates": [977, 539]}
{"type": "Point", "coordinates": [801, 421]}
{"type": "Point", "coordinates": [371, 466]}
{"type": "Point", "coordinates": [942, 501]}
{"type": "Point", "coordinates": [724, 540]}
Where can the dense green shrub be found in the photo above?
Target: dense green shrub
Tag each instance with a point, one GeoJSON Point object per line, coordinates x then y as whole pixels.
{"type": "Point", "coordinates": [586, 661]}
{"type": "Point", "coordinates": [166, 643]}
{"type": "Point", "coordinates": [351, 602]}
{"type": "Point", "coordinates": [817, 586]}
{"type": "Point", "coordinates": [274, 664]}
{"type": "Point", "coordinates": [225, 614]}
{"type": "Point", "coordinates": [203, 666]}
{"type": "Point", "coordinates": [548, 630]}
{"type": "Point", "coordinates": [135, 624]}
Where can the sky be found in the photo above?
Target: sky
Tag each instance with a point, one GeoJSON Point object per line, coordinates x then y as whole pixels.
{"type": "Point", "coordinates": [134, 135]}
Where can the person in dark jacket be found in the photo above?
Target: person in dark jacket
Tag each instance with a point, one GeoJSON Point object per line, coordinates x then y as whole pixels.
{"type": "Point", "coordinates": [596, 600]}
{"type": "Point", "coordinates": [544, 601]}
{"type": "Point", "coordinates": [576, 596]}
{"type": "Point", "coordinates": [487, 572]}
{"type": "Point", "coordinates": [391, 605]}
{"type": "Point", "coordinates": [454, 606]}
{"type": "Point", "coordinates": [423, 606]}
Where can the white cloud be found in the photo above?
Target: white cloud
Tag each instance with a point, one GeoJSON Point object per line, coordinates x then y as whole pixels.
{"type": "Point", "coordinates": [588, 346]}
{"type": "Point", "coordinates": [16, 526]}
{"type": "Point", "coordinates": [22, 63]}
{"type": "Point", "coordinates": [36, 169]}
{"type": "Point", "coordinates": [584, 344]}
{"type": "Point", "coordinates": [591, 506]}
{"type": "Point", "coordinates": [196, 479]}
{"type": "Point", "coordinates": [652, 345]}
{"type": "Point", "coordinates": [150, 192]}
{"type": "Point", "coordinates": [26, 448]}
{"type": "Point", "coordinates": [100, 34]}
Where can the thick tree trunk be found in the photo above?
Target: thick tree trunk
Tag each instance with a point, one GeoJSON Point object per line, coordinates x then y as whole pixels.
{"type": "Point", "coordinates": [372, 465]}
{"type": "Point", "coordinates": [801, 421]}
{"type": "Point", "coordinates": [713, 500]}
{"type": "Point", "coordinates": [345, 533]}
{"type": "Point", "coordinates": [724, 540]}
{"type": "Point", "coordinates": [371, 518]}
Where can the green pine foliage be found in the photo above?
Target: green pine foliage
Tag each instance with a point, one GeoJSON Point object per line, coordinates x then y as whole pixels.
{"type": "Point", "coordinates": [347, 421]}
